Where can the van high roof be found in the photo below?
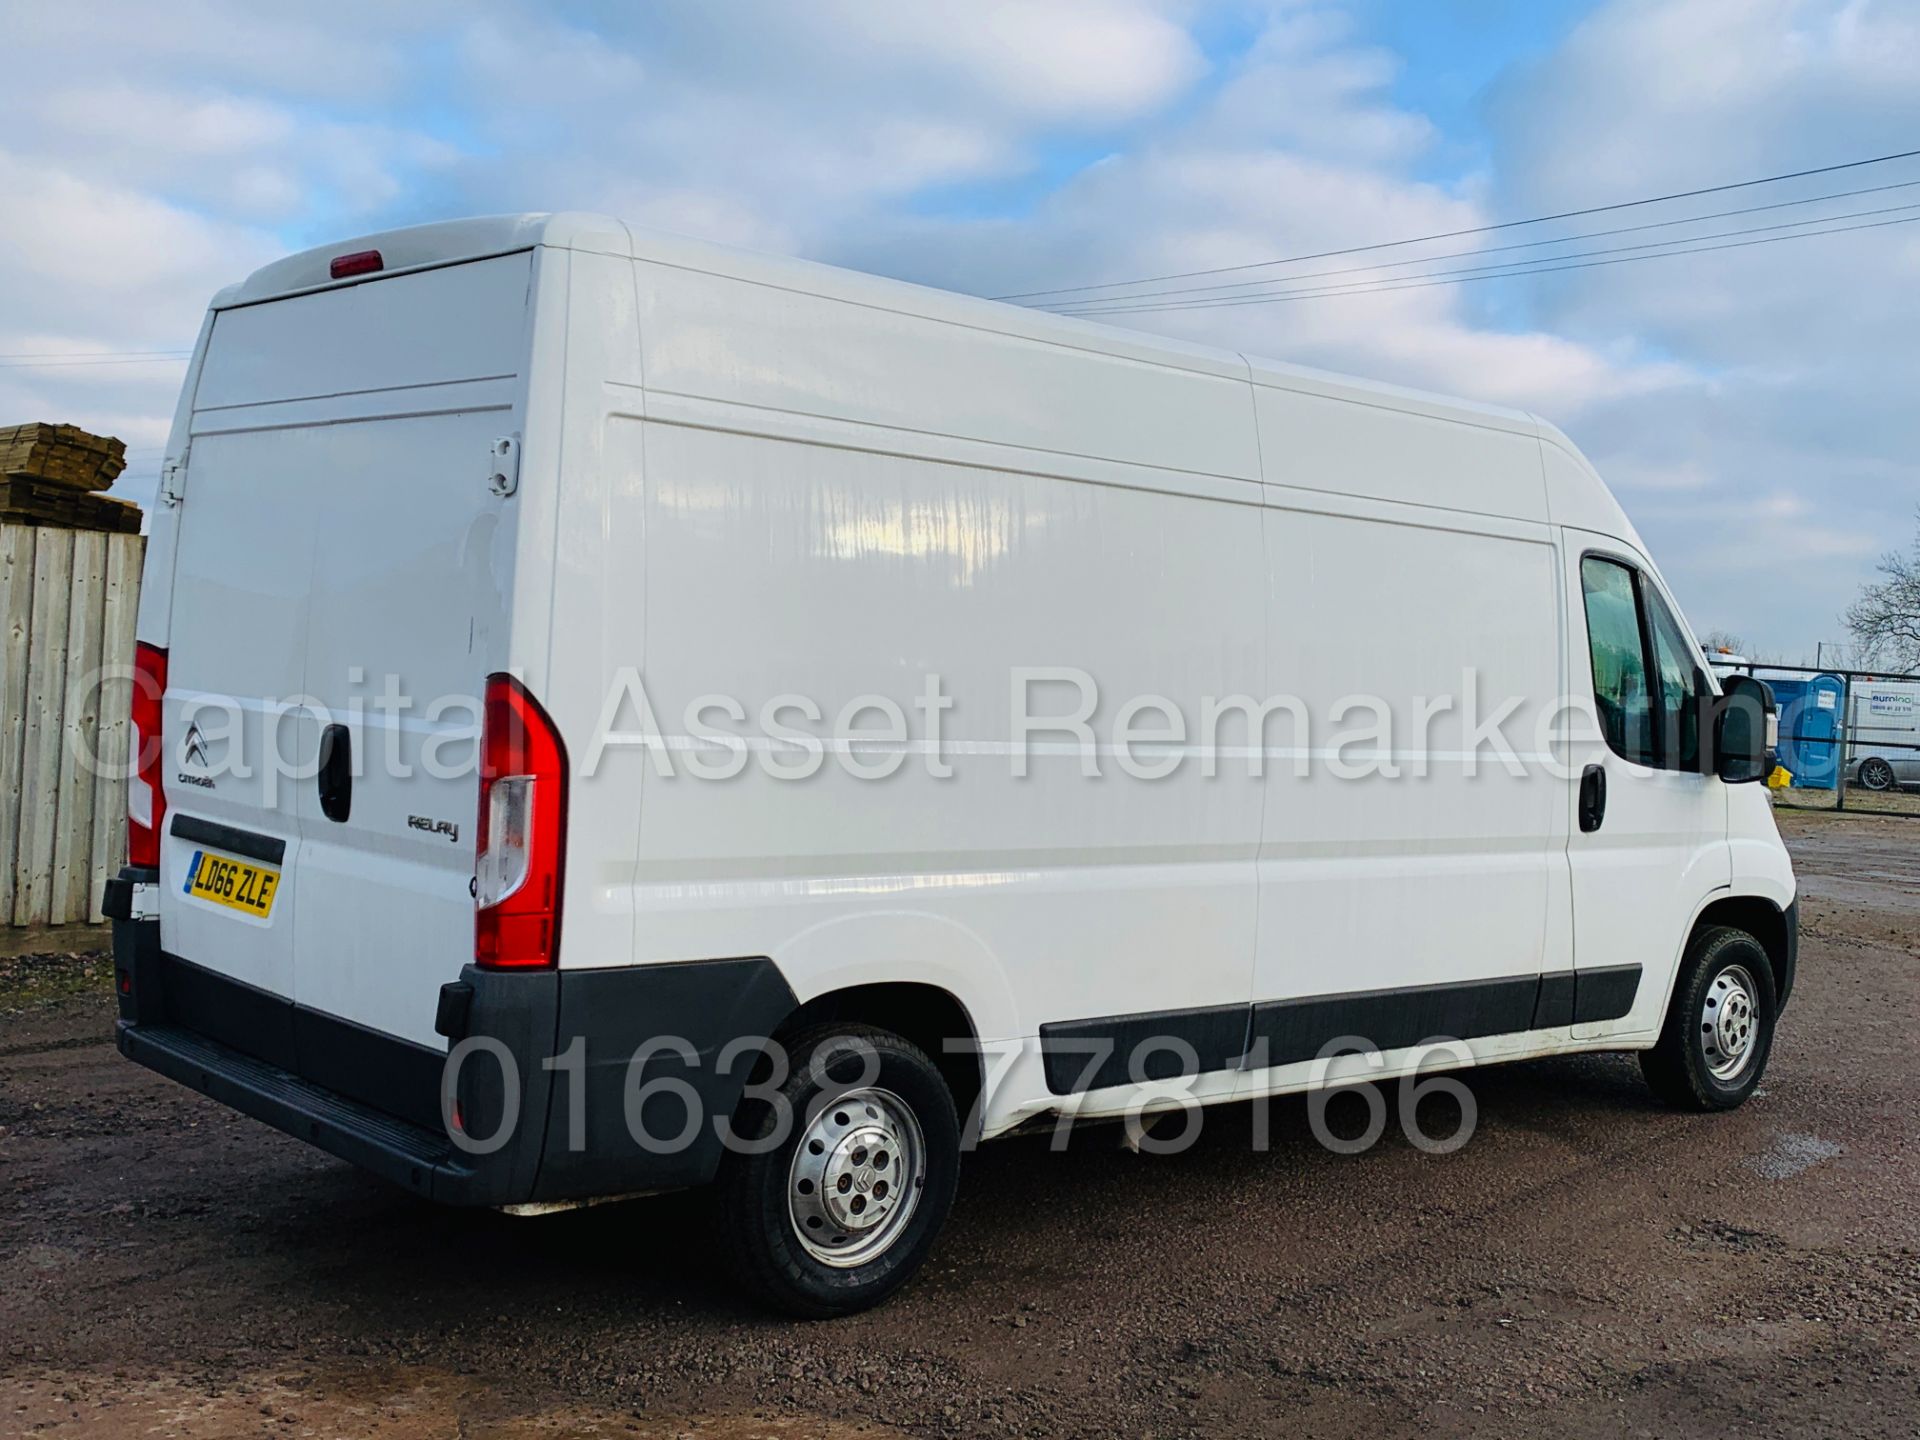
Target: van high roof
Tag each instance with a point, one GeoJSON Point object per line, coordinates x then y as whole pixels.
{"type": "Point", "coordinates": [450, 241]}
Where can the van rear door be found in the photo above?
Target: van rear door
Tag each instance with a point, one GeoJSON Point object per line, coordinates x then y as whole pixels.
{"type": "Point", "coordinates": [340, 587]}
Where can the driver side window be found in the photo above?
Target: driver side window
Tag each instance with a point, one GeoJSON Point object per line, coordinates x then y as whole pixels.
{"type": "Point", "coordinates": [1646, 685]}
{"type": "Point", "coordinates": [1679, 686]}
{"type": "Point", "coordinates": [1620, 689]}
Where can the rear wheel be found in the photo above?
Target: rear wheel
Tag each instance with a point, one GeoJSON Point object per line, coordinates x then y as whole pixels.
{"type": "Point", "coordinates": [837, 1215]}
{"type": "Point", "coordinates": [1876, 774]}
{"type": "Point", "coordinates": [1718, 1034]}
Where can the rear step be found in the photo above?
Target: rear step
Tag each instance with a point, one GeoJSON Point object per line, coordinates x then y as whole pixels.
{"type": "Point", "coordinates": [407, 1154]}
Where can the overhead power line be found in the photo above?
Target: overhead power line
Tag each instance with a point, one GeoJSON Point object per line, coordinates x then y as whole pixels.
{"type": "Point", "coordinates": [1471, 230]}
{"type": "Point", "coordinates": [1068, 307]}
{"type": "Point", "coordinates": [1510, 267]}
{"type": "Point", "coordinates": [1542, 266]}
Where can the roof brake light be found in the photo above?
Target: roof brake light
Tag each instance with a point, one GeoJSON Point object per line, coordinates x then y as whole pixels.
{"type": "Point", "coordinates": [360, 262]}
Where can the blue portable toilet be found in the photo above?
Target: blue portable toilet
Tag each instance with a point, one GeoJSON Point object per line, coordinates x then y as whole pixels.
{"type": "Point", "coordinates": [1810, 728]}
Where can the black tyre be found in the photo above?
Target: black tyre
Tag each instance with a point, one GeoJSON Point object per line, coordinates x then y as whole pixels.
{"type": "Point", "coordinates": [1718, 1034]}
{"type": "Point", "coordinates": [1876, 774]}
{"type": "Point", "coordinates": [837, 1215]}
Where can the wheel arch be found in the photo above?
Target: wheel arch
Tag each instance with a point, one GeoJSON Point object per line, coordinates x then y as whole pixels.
{"type": "Point", "coordinates": [930, 1016]}
{"type": "Point", "coordinates": [1777, 930]}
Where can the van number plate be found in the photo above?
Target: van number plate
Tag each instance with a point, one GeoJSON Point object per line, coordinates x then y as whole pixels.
{"type": "Point", "coordinates": [232, 883]}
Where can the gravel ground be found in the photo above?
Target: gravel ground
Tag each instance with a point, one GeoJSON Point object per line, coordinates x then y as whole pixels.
{"type": "Point", "coordinates": [1587, 1265]}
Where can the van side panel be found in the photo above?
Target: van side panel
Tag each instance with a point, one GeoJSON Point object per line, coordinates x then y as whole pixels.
{"type": "Point", "coordinates": [783, 352]}
{"type": "Point", "coordinates": [821, 555]}
{"type": "Point", "coordinates": [1410, 872]}
{"type": "Point", "coordinates": [1362, 450]}
{"type": "Point", "coordinates": [597, 620]}
{"type": "Point", "coordinates": [1432, 863]}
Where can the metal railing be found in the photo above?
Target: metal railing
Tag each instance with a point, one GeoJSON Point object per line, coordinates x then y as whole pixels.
{"type": "Point", "coordinates": [1853, 745]}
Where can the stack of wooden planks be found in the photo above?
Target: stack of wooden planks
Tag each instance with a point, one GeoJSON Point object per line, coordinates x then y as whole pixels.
{"type": "Point", "coordinates": [49, 475]}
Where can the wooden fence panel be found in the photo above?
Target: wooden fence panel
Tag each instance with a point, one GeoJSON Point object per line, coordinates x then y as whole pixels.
{"type": "Point", "coordinates": [46, 701]}
{"type": "Point", "coordinates": [16, 614]}
{"type": "Point", "coordinates": [80, 739]}
{"type": "Point", "coordinates": [67, 605]}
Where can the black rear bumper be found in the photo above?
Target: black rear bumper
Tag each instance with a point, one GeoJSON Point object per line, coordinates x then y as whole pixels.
{"type": "Point", "coordinates": [405, 1153]}
{"type": "Point", "coordinates": [540, 1089]}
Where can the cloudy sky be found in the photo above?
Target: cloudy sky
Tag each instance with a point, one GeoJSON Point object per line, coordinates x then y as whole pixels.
{"type": "Point", "coordinates": [1755, 408]}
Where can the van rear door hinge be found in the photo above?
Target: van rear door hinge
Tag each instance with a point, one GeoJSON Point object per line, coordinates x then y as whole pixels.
{"type": "Point", "coordinates": [173, 479]}
{"type": "Point", "coordinates": [504, 458]}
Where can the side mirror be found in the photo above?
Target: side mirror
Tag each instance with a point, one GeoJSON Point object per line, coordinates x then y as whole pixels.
{"type": "Point", "coordinates": [1744, 731]}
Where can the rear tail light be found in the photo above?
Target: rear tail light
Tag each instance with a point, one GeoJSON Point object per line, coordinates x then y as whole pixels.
{"type": "Point", "coordinates": [522, 831]}
{"type": "Point", "coordinates": [146, 800]}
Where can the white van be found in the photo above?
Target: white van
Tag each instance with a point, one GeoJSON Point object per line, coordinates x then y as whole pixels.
{"type": "Point", "coordinates": [1883, 750]}
{"type": "Point", "coordinates": [1009, 716]}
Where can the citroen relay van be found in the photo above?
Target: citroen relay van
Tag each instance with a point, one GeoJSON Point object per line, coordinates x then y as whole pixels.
{"type": "Point", "coordinates": [617, 714]}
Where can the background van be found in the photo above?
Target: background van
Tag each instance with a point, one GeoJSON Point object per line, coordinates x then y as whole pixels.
{"type": "Point", "coordinates": [1884, 752]}
{"type": "Point", "coordinates": [445, 508]}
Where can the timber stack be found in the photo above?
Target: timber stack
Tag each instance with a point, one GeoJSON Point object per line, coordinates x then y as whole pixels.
{"type": "Point", "coordinates": [51, 475]}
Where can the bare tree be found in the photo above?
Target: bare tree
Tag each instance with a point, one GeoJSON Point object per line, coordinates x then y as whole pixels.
{"type": "Point", "coordinates": [1885, 620]}
{"type": "Point", "coordinates": [1839, 655]}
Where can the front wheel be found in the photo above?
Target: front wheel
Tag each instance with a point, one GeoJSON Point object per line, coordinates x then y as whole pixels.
{"type": "Point", "coordinates": [1876, 774]}
{"type": "Point", "coordinates": [840, 1212]}
{"type": "Point", "coordinates": [1719, 1028]}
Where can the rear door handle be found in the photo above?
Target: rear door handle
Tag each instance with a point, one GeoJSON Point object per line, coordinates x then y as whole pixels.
{"type": "Point", "coordinates": [336, 772]}
{"type": "Point", "coordinates": [1593, 797]}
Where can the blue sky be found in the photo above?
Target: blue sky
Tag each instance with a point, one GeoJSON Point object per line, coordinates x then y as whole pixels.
{"type": "Point", "coordinates": [1751, 408]}
{"type": "Point", "coordinates": [1455, 53]}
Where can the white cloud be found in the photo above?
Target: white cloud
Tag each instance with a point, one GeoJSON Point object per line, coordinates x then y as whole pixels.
{"type": "Point", "coordinates": [345, 52]}
{"type": "Point", "coordinates": [233, 154]}
{"type": "Point", "coordinates": [1077, 61]}
{"type": "Point", "coordinates": [1752, 406]}
{"type": "Point", "coordinates": [154, 154]}
{"type": "Point", "coordinates": [791, 126]}
{"type": "Point", "coordinates": [1300, 151]}
{"type": "Point", "coordinates": [1306, 87]}
{"type": "Point", "coordinates": [1804, 446]}
{"type": "Point", "coordinates": [105, 268]}
{"type": "Point", "coordinates": [107, 265]}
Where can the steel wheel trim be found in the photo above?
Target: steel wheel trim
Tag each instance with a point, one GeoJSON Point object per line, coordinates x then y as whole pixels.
{"type": "Point", "coordinates": [1876, 774]}
{"type": "Point", "coordinates": [1730, 1022]}
{"type": "Point", "coordinates": [856, 1178]}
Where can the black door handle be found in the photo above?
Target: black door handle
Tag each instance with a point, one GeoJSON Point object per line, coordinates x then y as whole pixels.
{"type": "Point", "coordinates": [336, 772]}
{"type": "Point", "coordinates": [1593, 797]}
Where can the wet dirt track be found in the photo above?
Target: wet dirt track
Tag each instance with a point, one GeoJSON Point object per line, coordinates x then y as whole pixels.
{"type": "Point", "coordinates": [1588, 1265]}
